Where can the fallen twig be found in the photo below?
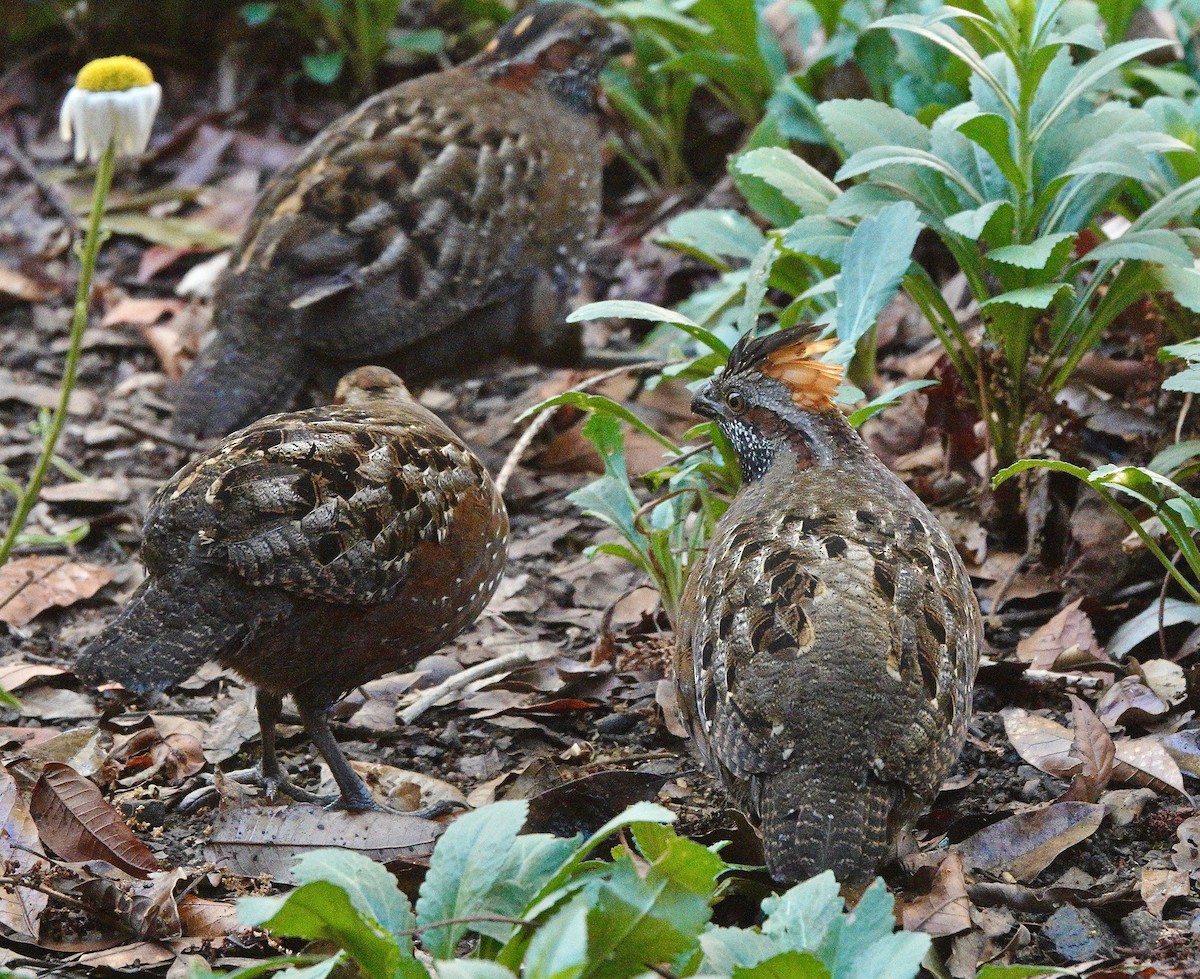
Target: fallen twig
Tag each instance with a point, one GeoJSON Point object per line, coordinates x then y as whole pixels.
{"type": "Point", "coordinates": [460, 680]}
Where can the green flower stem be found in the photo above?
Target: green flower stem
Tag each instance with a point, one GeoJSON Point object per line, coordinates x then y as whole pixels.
{"type": "Point", "coordinates": [91, 248]}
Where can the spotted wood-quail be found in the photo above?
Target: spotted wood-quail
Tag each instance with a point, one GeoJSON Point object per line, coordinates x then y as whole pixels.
{"type": "Point", "coordinates": [311, 552]}
{"type": "Point", "coordinates": [828, 642]}
{"type": "Point", "coordinates": [438, 225]}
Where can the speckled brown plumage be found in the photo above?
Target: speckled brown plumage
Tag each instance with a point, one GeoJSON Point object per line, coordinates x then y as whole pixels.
{"type": "Point", "coordinates": [438, 225]}
{"type": "Point", "coordinates": [828, 642]}
{"type": "Point", "coordinates": [311, 552]}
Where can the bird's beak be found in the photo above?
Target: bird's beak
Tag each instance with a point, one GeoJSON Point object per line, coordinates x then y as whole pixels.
{"type": "Point", "coordinates": [704, 404]}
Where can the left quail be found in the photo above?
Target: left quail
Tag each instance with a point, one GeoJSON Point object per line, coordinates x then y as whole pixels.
{"type": "Point", "coordinates": [439, 225]}
{"type": "Point", "coordinates": [312, 552]}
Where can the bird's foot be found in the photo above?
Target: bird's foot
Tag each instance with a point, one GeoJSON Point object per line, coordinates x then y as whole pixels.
{"type": "Point", "coordinates": [273, 784]}
{"type": "Point", "coordinates": [359, 802]}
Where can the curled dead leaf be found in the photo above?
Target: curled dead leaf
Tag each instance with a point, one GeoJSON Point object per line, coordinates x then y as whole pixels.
{"type": "Point", "coordinates": [946, 909]}
{"type": "Point", "coordinates": [20, 907]}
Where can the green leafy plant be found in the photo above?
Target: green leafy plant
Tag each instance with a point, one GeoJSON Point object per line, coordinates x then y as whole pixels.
{"type": "Point", "coordinates": [1014, 182]}
{"type": "Point", "coordinates": [667, 533]}
{"type": "Point", "coordinates": [1010, 181]}
{"type": "Point", "coordinates": [541, 907]}
{"type": "Point", "coordinates": [357, 33]}
{"type": "Point", "coordinates": [722, 46]}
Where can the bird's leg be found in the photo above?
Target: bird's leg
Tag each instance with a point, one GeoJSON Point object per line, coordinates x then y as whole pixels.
{"type": "Point", "coordinates": [356, 797]}
{"type": "Point", "coordinates": [269, 775]}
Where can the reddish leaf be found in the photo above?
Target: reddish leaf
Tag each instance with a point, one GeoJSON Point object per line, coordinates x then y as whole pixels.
{"type": "Point", "coordinates": [1094, 748]}
{"type": "Point", "coordinates": [946, 909]}
{"type": "Point", "coordinates": [76, 823]}
{"type": "Point", "coordinates": [30, 585]}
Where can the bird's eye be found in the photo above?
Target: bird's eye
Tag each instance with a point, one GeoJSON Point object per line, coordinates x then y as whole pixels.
{"type": "Point", "coordinates": [735, 401]}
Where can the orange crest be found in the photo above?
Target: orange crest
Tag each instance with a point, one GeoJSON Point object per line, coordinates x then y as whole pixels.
{"type": "Point", "coordinates": [812, 382]}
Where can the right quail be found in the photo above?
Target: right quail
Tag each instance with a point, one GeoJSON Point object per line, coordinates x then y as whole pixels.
{"type": "Point", "coordinates": [828, 642]}
{"type": "Point", "coordinates": [439, 225]}
{"type": "Point", "coordinates": [311, 552]}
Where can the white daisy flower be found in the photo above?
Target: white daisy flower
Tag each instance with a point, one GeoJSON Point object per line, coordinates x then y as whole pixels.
{"type": "Point", "coordinates": [113, 103]}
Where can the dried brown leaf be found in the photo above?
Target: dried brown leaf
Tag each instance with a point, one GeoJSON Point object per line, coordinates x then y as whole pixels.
{"type": "Point", "coordinates": [76, 823]}
{"type": "Point", "coordinates": [1186, 853]}
{"type": "Point", "coordinates": [1044, 743]}
{"type": "Point", "coordinates": [1159, 886]}
{"type": "Point", "coordinates": [1023, 845]}
{"type": "Point", "coordinates": [1093, 746]}
{"type": "Point", "coordinates": [30, 585]}
{"type": "Point", "coordinates": [1145, 762]}
{"type": "Point", "coordinates": [20, 907]}
{"type": "Point", "coordinates": [946, 909]}
{"type": "Point", "coordinates": [1069, 633]}
{"type": "Point", "coordinates": [253, 840]}
{"type": "Point", "coordinates": [1130, 700]}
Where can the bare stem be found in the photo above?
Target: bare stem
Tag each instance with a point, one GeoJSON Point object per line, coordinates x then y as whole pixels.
{"type": "Point", "coordinates": [91, 248]}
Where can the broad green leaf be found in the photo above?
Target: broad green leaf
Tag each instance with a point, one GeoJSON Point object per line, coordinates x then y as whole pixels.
{"type": "Point", "coordinates": [971, 224]}
{"type": "Point", "coordinates": [321, 910]}
{"type": "Point", "coordinates": [725, 948]}
{"type": "Point", "coordinates": [628, 309]}
{"type": "Point", "coordinates": [798, 181]}
{"type": "Point", "coordinates": [1037, 254]}
{"type": "Point", "coordinates": [649, 911]}
{"type": "Point", "coordinates": [756, 286]}
{"type": "Point", "coordinates": [1033, 297]}
{"type": "Point", "coordinates": [559, 948]}
{"type": "Point", "coordinates": [639, 812]}
{"type": "Point", "coordinates": [533, 860]}
{"type": "Point", "coordinates": [799, 918]}
{"type": "Point", "coordinates": [785, 965]}
{"type": "Point", "coordinates": [1174, 457]}
{"type": "Point", "coordinates": [1090, 73]}
{"type": "Point", "coordinates": [859, 124]}
{"type": "Point", "coordinates": [722, 233]}
{"type": "Point", "coordinates": [876, 258]}
{"type": "Point", "coordinates": [818, 236]}
{"type": "Point", "coordinates": [875, 157]}
{"type": "Point", "coordinates": [466, 866]}
{"type": "Point", "coordinates": [371, 889]}
{"type": "Point", "coordinates": [1152, 245]}
{"type": "Point", "coordinates": [863, 941]}
{"type": "Point", "coordinates": [1184, 285]}
{"type": "Point", "coordinates": [989, 131]}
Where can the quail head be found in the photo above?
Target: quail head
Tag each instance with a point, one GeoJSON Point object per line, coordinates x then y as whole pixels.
{"type": "Point", "coordinates": [438, 225]}
{"type": "Point", "coordinates": [311, 552]}
{"type": "Point", "coordinates": [828, 641]}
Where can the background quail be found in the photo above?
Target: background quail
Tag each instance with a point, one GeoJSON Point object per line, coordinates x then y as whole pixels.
{"type": "Point", "coordinates": [828, 643]}
{"type": "Point", "coordinates": [441, 223]}
{"type": "Point", "coordinates": [311, 552]}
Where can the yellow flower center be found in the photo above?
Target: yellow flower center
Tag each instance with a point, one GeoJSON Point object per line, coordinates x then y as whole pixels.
{"type": "Point", "coordinates": [114, 74]}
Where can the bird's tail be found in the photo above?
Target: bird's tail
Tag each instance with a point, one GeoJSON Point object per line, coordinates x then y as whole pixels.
{"type": "Point", "coordinates": [812, 822]}
{"type": "Point", "coordinates": [162, 636]}
{"type": "Point", "coordinates": [236, 380]}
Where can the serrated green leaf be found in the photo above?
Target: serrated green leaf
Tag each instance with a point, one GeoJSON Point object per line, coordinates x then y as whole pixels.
{"type": "Point", "coordinates": [465, 868]}
{"type": "Point", "coordinates": [818, 236]}
{"type": "Point", "coordinates": [1152, 245]}
{"type": "Point", "coordinates": [1033, 297]}
{"type": "Point", "coordinates": [801, 183]}
{"type": "Point", "coordinates": [971, 224]}
{"type": "Point", "coordinates": [1037, 254]}
{"type": "Point", "coordinates": [721, 233]}
{"type": "Point", "coordinates": [726, 948]}
{"type": "Point", "coordinates": [859, 124]}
